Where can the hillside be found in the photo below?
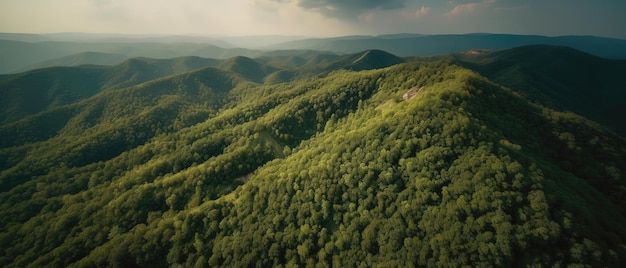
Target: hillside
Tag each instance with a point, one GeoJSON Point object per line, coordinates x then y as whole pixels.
{"type": "Point", "coordinates": [210, 167]}
{"type": "Point", "coordinates": [31, 92]}
{"type": "Point", "coordinates": [561, 78]}
{"type": "Point", "coordinates": [322, 63]}
{"type": "Point", "coordinates": [25, 94]}
{"type": "Point", "coordinates": [34, 91]}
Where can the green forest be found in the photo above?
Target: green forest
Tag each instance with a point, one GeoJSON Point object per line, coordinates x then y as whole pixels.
{"type": "Point", "coordinates": [316, 160]}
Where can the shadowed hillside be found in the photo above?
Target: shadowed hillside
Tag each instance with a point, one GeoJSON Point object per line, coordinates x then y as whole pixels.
{"type": "Point", "coordinates": [34, 91]}
{"type": "Point", "coordinates": [31, 92]}
{"type": "Point", "coordinates": [561, 78]}
{"type": "Point", "coordinates": [247, 68]}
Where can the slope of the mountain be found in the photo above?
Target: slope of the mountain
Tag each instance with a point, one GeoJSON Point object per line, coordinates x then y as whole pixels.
{"type": "Point", "coordinates": [424, 45]}
{"type": "Point", "coordinates": [183, 64]}
{"type": "Point", "coordinates": [208, 169]}
{"type": "Point", "coordinates": [204, 87]}
{"type": "Point", "coordinates": [137, 70]}
{"type": "Point", "coordinates": [323, 63]}
{"type": "Point", "coordinates": [288, 62]}
{"type": "Point", "coordinates": [34, 91]}
{"type": "Point", "coordinates": [365, 60]}
{"type": "Point", "coordinates": [280, 76]}
{"type": "Point", "coordinates": [293, 59]}
{"type": "Point", "coordinates": [286, 66]}
{"type": "Point", "coordinates": [321, 59]}
{"type": "Point", "coordinates": [83, 58]}
{"type": "Point", "coordinates": [31, 92]}
{"type": "Point", "coordinates": [247, 68]}
{"type": "Point", "coordinates": [374, 59]}
{"type": "Point", "coordinates": [562, 78]}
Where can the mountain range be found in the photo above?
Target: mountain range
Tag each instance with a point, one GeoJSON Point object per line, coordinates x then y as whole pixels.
{"type": "Point", "coordinates": [22, 52]}
{"type": "Point", "coordinates": [425, 45]}
{"type": "Point", "coordinates": [483, 157]}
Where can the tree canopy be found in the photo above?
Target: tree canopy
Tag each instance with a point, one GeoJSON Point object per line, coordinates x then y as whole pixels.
{"type": "Point", "coordinates": [208, 168]}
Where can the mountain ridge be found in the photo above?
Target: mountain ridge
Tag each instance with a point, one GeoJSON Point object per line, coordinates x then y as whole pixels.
{"type": "Point", "coordinates": [17, 55]}
{"type": "Point", "coordinates": [83, 58]}
{"type": "Point", "coordinates": [21, 51]}
{"type": "Point", "coordinates": [426, 45]}
{"type": "Point", "coordinates": [561, 78]}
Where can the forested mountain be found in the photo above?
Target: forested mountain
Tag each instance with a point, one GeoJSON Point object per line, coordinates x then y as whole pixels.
{"type": "Point", "coordinates": [561, 78]}
{"type": "Point", "coordinates": [34, 91]}
{"type": "Point", "coordinates": [357, 160]}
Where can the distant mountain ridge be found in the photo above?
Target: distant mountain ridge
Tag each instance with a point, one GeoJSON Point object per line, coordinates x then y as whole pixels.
{"type": "Point", "coordinates": [425, 45]}
{"type": "Point", "coordinates": [31, 92]}
{"type": "Point", "coordinates": [19, 52]}
{"type": "Point", "coordinates": [83, 58]}
{"type": "Point", "coordinates": [16, 55]}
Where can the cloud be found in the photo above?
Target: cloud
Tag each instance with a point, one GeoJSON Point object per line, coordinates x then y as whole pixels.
{"type": "Point", "coordinates": [415, 14]}
{"type": "Point", "coordinates": [469, 7]}
{"type": "Point", "coordinates": [346, 9]}
{"type": "Point", "coordinates": [422, 11]}
{"type": "Point", "coordinates": [287, 17]}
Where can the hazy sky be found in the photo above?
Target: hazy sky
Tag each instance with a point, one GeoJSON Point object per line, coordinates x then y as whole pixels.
{"type": "Point", "coordinates": [316, 17]}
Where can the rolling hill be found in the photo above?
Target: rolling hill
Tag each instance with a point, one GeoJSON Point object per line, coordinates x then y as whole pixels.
{"type": "Point", "coordinates": [31, 92]}
{"type": "Point", "coordinates": [34, 91]}
{"type": "Point", "coordinates": [247, 67]}
{"type": "Point", "coordinates": [217, 166]}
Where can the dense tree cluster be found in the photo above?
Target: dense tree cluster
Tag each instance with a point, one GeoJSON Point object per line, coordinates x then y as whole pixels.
{"type": "Point", "coordinates": [207, 168]}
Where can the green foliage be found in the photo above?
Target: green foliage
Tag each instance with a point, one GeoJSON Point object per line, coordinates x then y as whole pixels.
{"type": "Point", "coordinates": [208, 168]}
{"type": "Point", "coordinates": [560, 78]}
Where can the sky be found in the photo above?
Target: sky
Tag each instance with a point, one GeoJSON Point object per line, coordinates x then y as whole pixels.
{"type": "Point", "coordinates": [316, 17]}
